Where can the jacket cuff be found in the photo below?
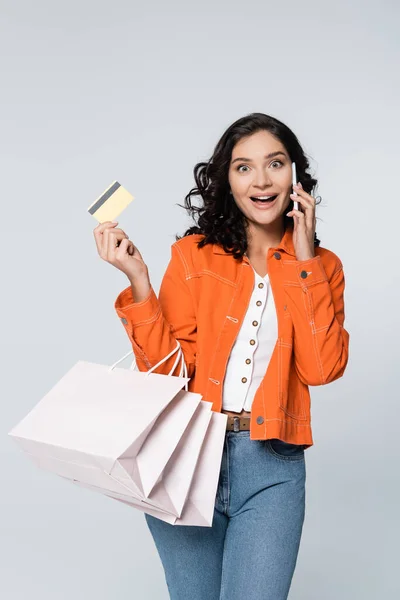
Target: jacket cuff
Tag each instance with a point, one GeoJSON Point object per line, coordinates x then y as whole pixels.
{"type": "Point", "coordinates": [133, 312]}
{"type": "Point", "coordinates": [305, 273]}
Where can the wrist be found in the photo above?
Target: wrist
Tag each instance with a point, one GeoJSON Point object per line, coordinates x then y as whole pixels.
{"type": "Point", "coordinates": [140, 288]}
{"type": "Point", "coordinates": [310, 254]}
{"type": "Point", "coordinates": [304, 258]}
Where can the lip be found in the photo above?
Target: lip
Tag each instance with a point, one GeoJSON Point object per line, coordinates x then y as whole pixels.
{"type": "Point", "coordinates": [265, 205]}
{"type": "Point", "coordinates": [262, 195]}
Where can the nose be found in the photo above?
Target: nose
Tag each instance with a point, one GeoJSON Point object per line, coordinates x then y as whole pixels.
{"type": "Point", "coordinates": [262, 180]}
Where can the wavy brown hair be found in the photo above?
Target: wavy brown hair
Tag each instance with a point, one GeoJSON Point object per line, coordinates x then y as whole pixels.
{"type": "Point", "coordinates": [218, 217]}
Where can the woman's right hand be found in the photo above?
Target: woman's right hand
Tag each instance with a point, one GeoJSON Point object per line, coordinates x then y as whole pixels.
{"type": "Point", "coordinates": [115, 247]}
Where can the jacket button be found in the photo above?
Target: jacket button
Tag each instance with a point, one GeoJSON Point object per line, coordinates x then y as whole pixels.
{"type": "Point", "coordinates": [124, 321]}
{"type": "Point", "coordinates": [258, 302]}
{"type": "Point", "coordinates": [260, 420]}
{"type": "Point", "coordinates": [255, 323]}
{"type": "Point", "coordinates": [260, 285]}
{"type": "Point", "coordinates": [244, 379]}
{"type": "Point", "coordinates": [277, 255]}
{"type": "Point", "coordinates": [252, 342]}
{"type": "Point", "coordinates": [303, 274]}
{"type": "Point", "coordinates": [248, 361]}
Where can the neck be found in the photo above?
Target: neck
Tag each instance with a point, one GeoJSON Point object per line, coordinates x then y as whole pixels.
{"type": "Point", "coordinates": [260, 238]}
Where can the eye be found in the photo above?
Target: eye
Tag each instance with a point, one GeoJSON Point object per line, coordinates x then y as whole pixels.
{"type": "Point", "coordinates": [273, 162]}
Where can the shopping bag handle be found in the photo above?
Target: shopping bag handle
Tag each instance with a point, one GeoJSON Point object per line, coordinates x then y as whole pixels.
{"type": "Point", "coordinates": [180, 355]}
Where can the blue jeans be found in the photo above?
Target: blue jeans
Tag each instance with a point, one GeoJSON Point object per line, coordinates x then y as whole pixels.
{"type": "Point", "coordinates": [250, 552]}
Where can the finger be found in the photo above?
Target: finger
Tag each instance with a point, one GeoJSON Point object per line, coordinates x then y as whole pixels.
{"type": "Point", "coordinates": [130, 247]}
{"type": "Point", "coordinates": [106, 224]}
{"type": "Point", "coordinates": [134, 251]}
{"type": "Point", "coordinates": [111, 231]}
{"type": "Point", "coordinates": [125, 246]}
{"type": "Point", "coordinates": [99, 230]}
{"type": "Point", "coordinates": [116, 231]}
{"type": "Point", "coordinates": [297, 214]}
{"type": "Point", "coordinates": [112, 241]}
{"type": "Point", "coordinates": [303, 194]}
{"type": "Point", "coordinates": [302, 200]}
{"type": "Point", "coordinates": [309, 209]}
{"type": "Point", "coordinates": [299, 190]}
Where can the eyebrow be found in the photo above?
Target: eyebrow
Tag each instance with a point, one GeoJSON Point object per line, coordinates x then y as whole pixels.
{"type": "Point", "coordinates": [270, 155]}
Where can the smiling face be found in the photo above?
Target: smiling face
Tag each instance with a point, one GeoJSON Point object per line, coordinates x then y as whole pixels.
{"type": "Point", "coordinates": [261, 166]}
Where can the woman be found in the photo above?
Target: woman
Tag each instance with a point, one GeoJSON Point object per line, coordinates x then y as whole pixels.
{"type": "Point", "coordinates": [257, 306]}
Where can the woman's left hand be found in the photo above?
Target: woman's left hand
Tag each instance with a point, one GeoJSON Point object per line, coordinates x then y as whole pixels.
{"type": "Point", "coordinates": [304, 224]}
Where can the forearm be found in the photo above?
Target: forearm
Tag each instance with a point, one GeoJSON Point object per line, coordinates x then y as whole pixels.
{"type": "Point", "coordinates": [317, 309]}
{"type": "Point", "coordinates": [140, 289]}
{"type": "Point", "coordinates": [155, 325]}
{"type": "Point", "coordinates": [148, 330]}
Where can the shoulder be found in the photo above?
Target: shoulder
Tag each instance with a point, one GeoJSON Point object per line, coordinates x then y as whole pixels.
{"type": "Point", "coordinates": [188, 248]}
{"type": "Point", "coordinates": [188, 242]}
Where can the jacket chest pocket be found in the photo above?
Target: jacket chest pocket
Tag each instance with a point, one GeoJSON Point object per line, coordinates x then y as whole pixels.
{"type": "Point", "coordinates": [290, 388]}
{"type": "Point", "coordinates": [211, 278]}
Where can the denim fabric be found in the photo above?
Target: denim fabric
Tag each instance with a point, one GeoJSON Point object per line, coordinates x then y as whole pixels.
{"type": "Point", "coordinates": [250, 552]}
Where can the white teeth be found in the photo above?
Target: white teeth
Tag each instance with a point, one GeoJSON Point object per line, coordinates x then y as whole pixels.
{"type": "Point", "coordinates": [262, 197]}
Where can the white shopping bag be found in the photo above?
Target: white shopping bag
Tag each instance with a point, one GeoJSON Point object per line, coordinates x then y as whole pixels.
{"type": "Point", "coordinates": [134, 436]}
{"type": "Point", "coordinates": [200, 502]}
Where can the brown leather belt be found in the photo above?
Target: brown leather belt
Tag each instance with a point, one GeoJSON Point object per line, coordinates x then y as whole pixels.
{"type": "Point", "coordinates": [237, 423]}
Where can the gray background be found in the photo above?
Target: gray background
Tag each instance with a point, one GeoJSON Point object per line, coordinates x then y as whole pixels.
{"type": "Point", "coordinates": [140, 92]}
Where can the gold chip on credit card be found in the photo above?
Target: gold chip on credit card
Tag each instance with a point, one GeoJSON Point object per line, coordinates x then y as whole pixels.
{"type": "Point", "coordinates": [111, 203]}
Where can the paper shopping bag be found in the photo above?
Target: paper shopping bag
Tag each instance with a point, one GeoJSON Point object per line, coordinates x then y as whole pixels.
{"type": "Point", "coordinates": [94, 426]}
{"type": "Point", "coordinates": [97, 414]}
{"type": "Point", "coordinates": [172, 486]}
{"type": "Point", "coordinates": [199, 505]}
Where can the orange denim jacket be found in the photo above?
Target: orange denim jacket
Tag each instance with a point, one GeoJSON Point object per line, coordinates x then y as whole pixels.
{"type": "Point", "coordinates": [202, 301]}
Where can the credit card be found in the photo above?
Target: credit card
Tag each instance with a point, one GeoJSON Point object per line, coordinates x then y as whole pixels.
{"type": "Point", "coordinates": [111, 203]}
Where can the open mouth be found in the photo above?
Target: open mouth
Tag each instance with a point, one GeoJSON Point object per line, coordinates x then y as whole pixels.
{"type": "Point", "coordinates": [259, 201]}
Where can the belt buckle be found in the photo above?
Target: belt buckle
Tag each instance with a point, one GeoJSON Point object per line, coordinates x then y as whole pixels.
{"type": "Point", "coordinates": [236, 423]}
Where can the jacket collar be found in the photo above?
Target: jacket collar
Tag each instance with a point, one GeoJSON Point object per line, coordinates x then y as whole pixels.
{"type": "Point", "coordinates": [286, 244]}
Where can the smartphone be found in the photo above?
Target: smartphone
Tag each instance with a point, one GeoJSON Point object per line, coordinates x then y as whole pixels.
{"type": "Point", "coordinates": [294, 181]}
